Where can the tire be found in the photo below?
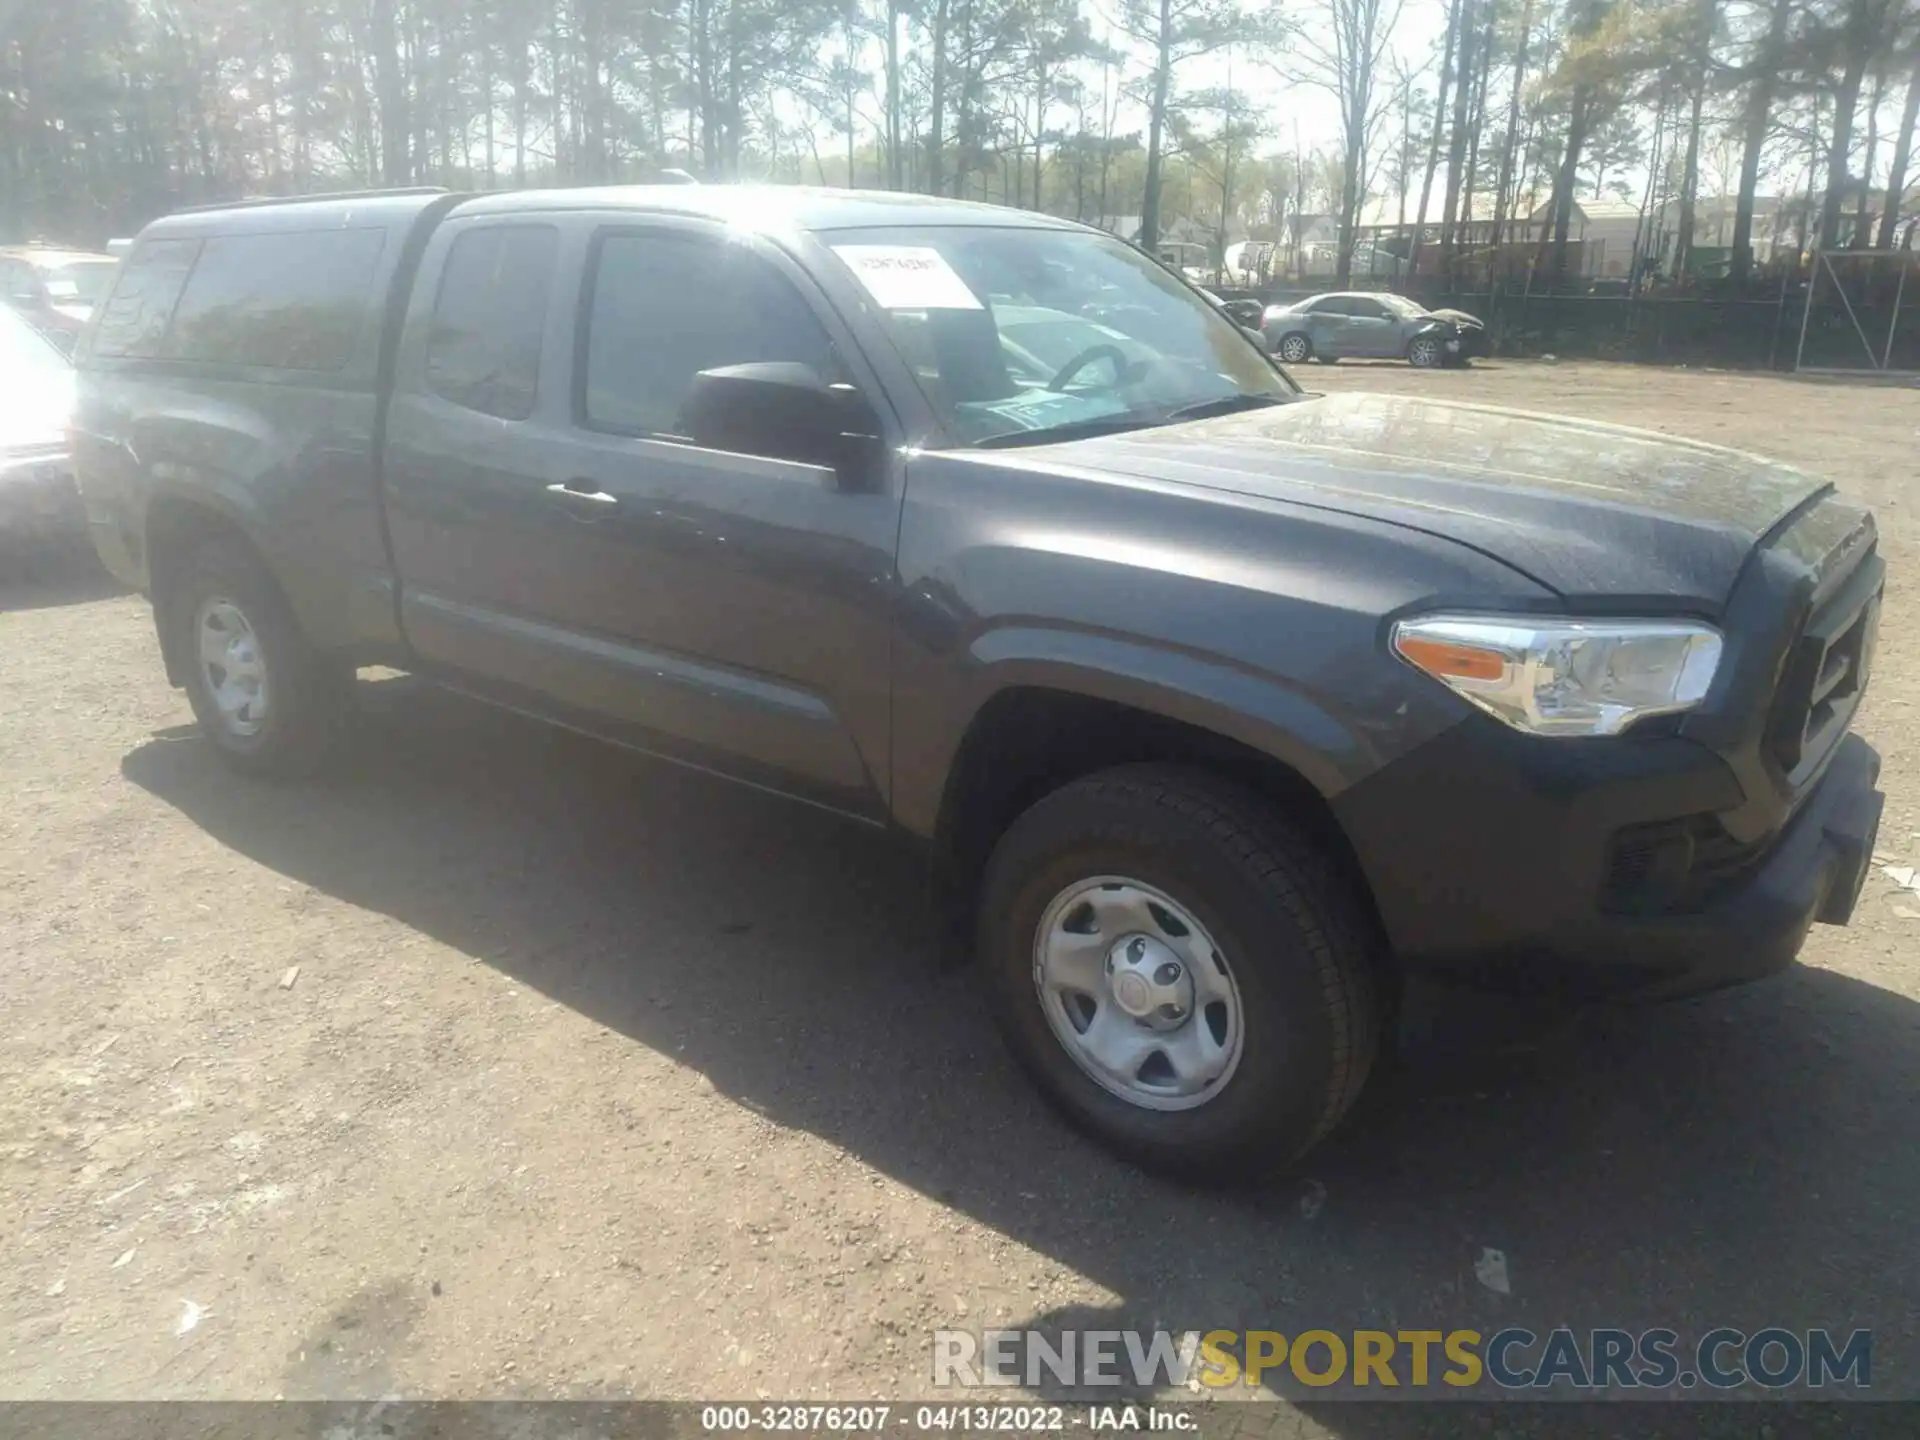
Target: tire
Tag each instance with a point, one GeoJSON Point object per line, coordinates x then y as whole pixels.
{"type": "Point", "coordinates": [1327, 359]}
{"type": "Point", "coordinates": [302, 699]}
{"type": "Point", "coordinates": [1424, 352]}
{"type": "Point", "coordinates": [1294, 349]}
{"type": "Point", "coordinates": [1300, 954]}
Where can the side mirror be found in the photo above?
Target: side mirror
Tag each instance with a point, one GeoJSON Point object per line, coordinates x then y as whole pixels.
{"type": "Point", "coordinates": [784, 410]}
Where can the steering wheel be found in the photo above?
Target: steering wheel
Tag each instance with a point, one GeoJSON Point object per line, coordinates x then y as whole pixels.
{"type": "Point", "coordinates": [1085, 358]}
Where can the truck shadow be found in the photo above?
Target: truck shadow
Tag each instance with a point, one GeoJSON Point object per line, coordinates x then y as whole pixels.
{"type": "Point", "coordinates": [44, 580]}
{"type": "Point", "coordinates": [1747, 1159]}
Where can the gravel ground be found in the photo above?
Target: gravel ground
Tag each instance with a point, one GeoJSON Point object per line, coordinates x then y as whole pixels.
{"type": "Point", "coordinates": [600, 1079]}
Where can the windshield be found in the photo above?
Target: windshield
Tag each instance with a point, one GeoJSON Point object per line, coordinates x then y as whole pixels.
{"type": "Point", "coordinates": [83, 282]}
{"type": "Point", "coordinates": [1399, 304]}
{"type": "Point", "coordinates": [1026, 335]}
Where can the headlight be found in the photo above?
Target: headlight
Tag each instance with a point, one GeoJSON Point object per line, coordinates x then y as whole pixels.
{"type": "Point", "coordinates": [1565, 677]}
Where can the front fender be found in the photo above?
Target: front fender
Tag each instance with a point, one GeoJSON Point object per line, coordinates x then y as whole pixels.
{"type": "Point", "coordinates": [1258, 621]}
{"type": "Point", "coordinates": [1260, 711]}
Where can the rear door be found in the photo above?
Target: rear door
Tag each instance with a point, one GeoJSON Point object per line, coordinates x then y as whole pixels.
{"type": "Point", "coordinates": [1327, 325]}
{"type": "Point", "coordinates": [578, 552]}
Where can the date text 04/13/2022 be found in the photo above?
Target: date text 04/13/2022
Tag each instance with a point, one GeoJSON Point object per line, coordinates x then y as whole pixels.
{"type": "Point", "coordinates": [962, 1418]}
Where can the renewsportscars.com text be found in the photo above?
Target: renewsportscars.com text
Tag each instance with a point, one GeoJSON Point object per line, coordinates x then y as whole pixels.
{"type": "Point", "coordinates": [1772, 1358]}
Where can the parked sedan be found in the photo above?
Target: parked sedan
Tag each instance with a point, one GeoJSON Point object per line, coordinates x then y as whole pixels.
{"type": "Point", "coordinates": [1243, 312]}
{"type": "Point", "coordinates": [1370, 325]}
{"type": "Point", "coordinates": [39, 504]}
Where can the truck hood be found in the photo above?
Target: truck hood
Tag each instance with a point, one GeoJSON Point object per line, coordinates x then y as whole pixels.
{"type": "Point", "coordinates": [1588, 510]}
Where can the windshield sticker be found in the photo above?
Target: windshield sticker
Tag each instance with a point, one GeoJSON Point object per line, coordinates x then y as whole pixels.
{"type": "Point", "coordinates": [1030, 410]}
{"type": "Point", "coordinates": [908, 277]}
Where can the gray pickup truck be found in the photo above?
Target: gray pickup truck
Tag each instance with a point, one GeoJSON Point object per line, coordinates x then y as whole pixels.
{"type": "Point", "coordinates": [1220, 708]}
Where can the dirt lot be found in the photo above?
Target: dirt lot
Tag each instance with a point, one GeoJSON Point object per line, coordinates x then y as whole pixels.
{"type": "Point", "coordinates": [601, 1079]}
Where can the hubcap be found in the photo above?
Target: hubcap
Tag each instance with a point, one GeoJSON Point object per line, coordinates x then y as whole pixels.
{"type": "Point", "coordinates": [1293, 348]}
{"type": "Point", "coordinates": [232, 666]}
{"type": "Point", "coordinates": [1424, 352]}
{"type": "Point", "coordinates": [1137, 993]}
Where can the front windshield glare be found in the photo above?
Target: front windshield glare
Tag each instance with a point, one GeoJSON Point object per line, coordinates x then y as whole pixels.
{"type": "Point", "coordinates": [1026, 334]}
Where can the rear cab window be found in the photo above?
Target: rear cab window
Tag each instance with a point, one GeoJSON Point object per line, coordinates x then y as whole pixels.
{"type": "Point", "coordinates": [489, 319]}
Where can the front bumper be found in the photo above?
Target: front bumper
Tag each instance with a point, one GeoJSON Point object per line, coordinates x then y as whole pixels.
{"type": "Point", "coordinates": [1490, 855]}
{"type": "Point", "coordinates": [39, 500]}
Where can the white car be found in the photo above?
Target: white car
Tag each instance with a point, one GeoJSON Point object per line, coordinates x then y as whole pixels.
{"type": "Point", "coordinates": [39, 503]}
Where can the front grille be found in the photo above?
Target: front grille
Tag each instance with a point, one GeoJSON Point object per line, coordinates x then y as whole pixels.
{"type": "Point", "coordinates": [1681, 865]}
{"type": "Point", "coordinates": [1821, 685]}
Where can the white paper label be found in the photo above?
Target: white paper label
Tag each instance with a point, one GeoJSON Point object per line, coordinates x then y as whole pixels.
{"type": "Point", "coordinates": [908, 277]}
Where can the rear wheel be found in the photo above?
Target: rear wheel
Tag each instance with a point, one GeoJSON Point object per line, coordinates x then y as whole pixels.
{"type": "Point", "coordinates": [1184, 972]}
{"type": "Point", "coordinates": [1425, 352]}
{"type": "Point", "coordinates": [269, 702]}
{"type": "Point", "coordinates": [1294, 349]}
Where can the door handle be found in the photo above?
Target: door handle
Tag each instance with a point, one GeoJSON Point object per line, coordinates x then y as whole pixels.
{"type": "Point", "coordinates": [580, 492]}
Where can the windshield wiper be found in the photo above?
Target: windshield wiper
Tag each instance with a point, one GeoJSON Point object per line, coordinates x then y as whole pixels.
{"type": "Point", "coordinates": [1221, 405]}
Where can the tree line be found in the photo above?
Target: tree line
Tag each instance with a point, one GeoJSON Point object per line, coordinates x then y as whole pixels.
{"type": "Point", "coordinates": [1147, 115]}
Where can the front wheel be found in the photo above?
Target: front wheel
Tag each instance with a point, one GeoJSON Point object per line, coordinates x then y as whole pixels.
{"type": "Point", "coordinates": [1184, 972]}
{"type": "Point", "coordinates": [1425, 353]}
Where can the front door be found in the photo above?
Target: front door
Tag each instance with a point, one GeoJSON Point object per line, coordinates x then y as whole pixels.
{"type": "Point", "coordinates": [1370, 330]}
{"type": "Point", "coordinates": [729, 610]}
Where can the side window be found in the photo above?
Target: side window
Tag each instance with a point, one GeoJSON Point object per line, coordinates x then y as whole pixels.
{"type": "Point", "coordinates": [278, 300]}
{"type": "Point", "coordinates": [134, 320]}
{"type": "Point", "coordinates": [1330, 306]}
{"type": "Point", "coordinates": [489, 318]}
{"type": "Point", "coordinates": [1366, 309]}
{"type": "Point", "coordinates": [665, 308]}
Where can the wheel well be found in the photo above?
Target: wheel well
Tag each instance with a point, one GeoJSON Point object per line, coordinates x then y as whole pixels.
{"type": "Point", "coordinates": [1027, 742]}
{"type": "Point", "coordinates": [175, 530]}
